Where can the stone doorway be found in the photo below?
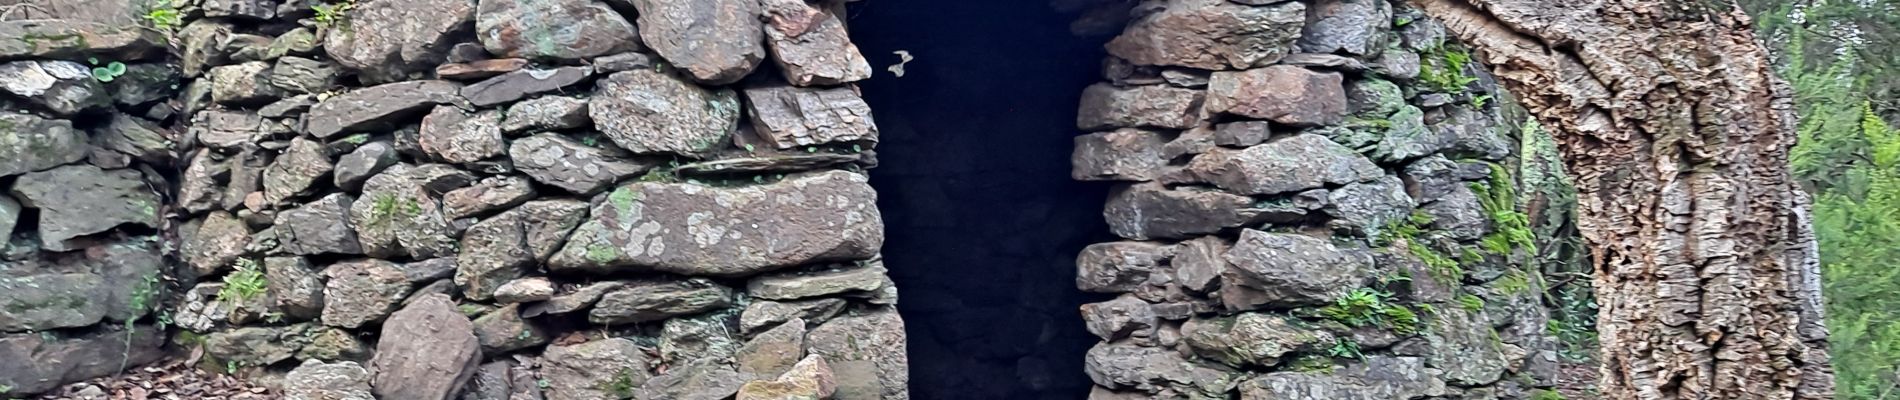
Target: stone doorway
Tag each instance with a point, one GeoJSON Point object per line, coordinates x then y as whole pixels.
{"type": "Point", "coordinates": [983, 221]}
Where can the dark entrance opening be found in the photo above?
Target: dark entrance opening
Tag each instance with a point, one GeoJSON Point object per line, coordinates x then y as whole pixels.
{"type": "Point", "coordinates": [983, 222]}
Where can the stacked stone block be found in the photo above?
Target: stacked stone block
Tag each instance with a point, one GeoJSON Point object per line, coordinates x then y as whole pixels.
{"type": "Point", "coordinates": [443, 199]}
{"type": "Point", "coordinates": [1312, 206]}
{"type": "Point", "coordinates": [84, 167]}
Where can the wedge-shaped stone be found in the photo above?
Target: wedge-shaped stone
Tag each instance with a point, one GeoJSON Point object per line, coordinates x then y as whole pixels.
{"type": "Point", "coordinates": [1288, 270]}
{"type": "Point", "coordinates": [1212, 34]}
{"type": "Point", "coordinates": [377, 106]}
{"type": "Point", "coordinates": [698, 230]}
{"type": "Point", "coordinates": [1293, 164]}
{"type": "Point", "coordinates": [790, 117]}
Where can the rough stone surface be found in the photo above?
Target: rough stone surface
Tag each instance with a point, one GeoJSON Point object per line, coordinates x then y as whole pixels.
{"type": "Point", "coordinates": [317, 380]}
{"type": "Point", "coordinates": [488, 195]}
{"type": "Point", "coordinates": [378, 106]}
{"type": "Point", "coordinates": [1280, 269]}
{"type": "Point", "coordinates": [301, 165]}
{"type": "Point", "coordinates": [811, 46]}
{"type": "Point", "coordinates": [1369, 206]}
{"type": "Point", "coordinates": [1348, 27]}
{"type": "Point", "coordinates": [1122, 365]}
{"type": "Point", "coordinates": [525, 290]}
{"type": "Point", "coordinates": [648, 111]}
{"type": "Point", "coordinates": [1375, 378]}
{"type": "Point", "coordinates": [400, 211]}
{"type": "Point", "coordinates": [356, 167]}
{"type": "Point", "coordinates": [546, 113]}
{"type": "Point", "coordinates": [646, 301]}
{"type": "Point", "coordinates": [29, 143]}
{"type": "Point", "coordinates": [504, 330]}
{"type": "Point", "coordinates": [78, 200]}
{"type": "Point", "coordinates": [1120, 155]}
{"type": "Point", "coordinates": [714, 41]}
{"type": "Point", "coordinates": [86, 355]}
{"type": "Point", "coordinates": [1118, 318]}
{"type": "Point", "coordinates": [318, 227]}
{"type": "Point", "coordinates": [791, 117]}
{"type": "Point", "coordinates": [810, 378]}
{"type": "Point", "coordinates": [493, 252]}
{"type": "Point", "coordinates": [586, 371]}
{"type": "Point", "coordinates": [64, 88]}
{"type": "Point", "coordinates": [9, 215]}
{"type": "Point", "coordinates": [831, 281]}
{"type": "Point", "coordinates": [1211, 34]}
{"type": "Point", "coordinates": [1106, 106]}
{"type": "Point", "coordinates": [452, 135]}
{"type": "Point", "coordinates": [558, 30]}
{"type": "Point", "coordinates": [246, 84]}
{"type": "Point", "coordinates": [697, 230]}
{"type": "Point", "coordinates": [295, 288]}
{"type": "Point", "coordinates": [1292, 164]}
{"type": "Point", "coordinates": [1285, 94]}
{"type": "Point", "coordinates": [517, 85]}
{"type": "Point", "coordinates": [857, 348]}
{"type": "Point", "coordinates": [774, 351]}
{"type": "Point", "coordinates": [427, 351]}
{"type": "Point", "coordinates": [303, 75]}
{"type": "Point", "coordinates": [256, 345]}
{"type": "Point", "coordinates": [557, 161]}
{"type": "Point", "coordinates": [761, 314]}
{"type": "Point", "coordinates": [1150, 211]}
{"type": "Point", "coordinates": [1251, 339]}
{"type": "Point", "coordinates": [361, 292]}
{"type": "Point", "coordinates": [219, 242]}
{"type": "Point", "coordinates": [112, 41]}
{"type": "Point", "coordinates": [1118, 267]}
{"type": "Point", "coordinates": [387, 41]}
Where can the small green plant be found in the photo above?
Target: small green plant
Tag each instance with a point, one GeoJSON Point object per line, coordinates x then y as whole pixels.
{"type": "Point", "coordinates": [1514, 282]}
{"type": "Point", "coordinates": [1368, 307]}
{"type": "Point", "coordinates": [1510, 228]}
{"type": "Point", "coordinates": [5, 388]}
{"type": "Point", "coordinates": [246, 281]}
{"type": "Point", "coordinates": [1480, 101]}
{"type": "Point", "coordinates": [1545, 394]}
{"type": "Point", "coordinates": [164, 16]}
{"type": "Point", "coordinates": [1444, 70]}
{"type": "Point", "coordinates": [1345, 348]}
{"type": "Point", "coordinates": [332, 14]}
{"type": "Point", "coordinates": [1470, 303]}
{"type": "Point", "coordinates": [112, 70]}
{"type": "Point", "coordinates": [623, 385]}
{"type": "Point", "coordinates": [1409, 230]}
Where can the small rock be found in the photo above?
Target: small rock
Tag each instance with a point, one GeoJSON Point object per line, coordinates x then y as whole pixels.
{"type": "Point", "coordinates": [493, 252]}
{"type": "Point", "coordinates": [647, 301]}
{"type": "Point", "coordinates": [427, 351]}
{"type": "Point", "coordinates": [1211, 35]}
{"type": "Point", "coordinates": [761, 314]}
{"type": "Point", "coordinates": [588, 370]}
{"type": "Point", "coordinates": [78, 200]}
{"type": "Point", "coordinates": [376, 106]}
{"type": "Point", "coordinates": [303, 75]}
{"type": "Point", "coordinates": [430, 270]}
{"type": "Point", "coordinates": [715, 41]}
{"type": "Point", "coordinates": [366, 161]}
{"type": "Point", "coordinates": [1251, 339]}
{"type": "Point", "coordinates": [557, 161]}
{"type": "Point", "coordinates": [482, 69]}
{"type": "Point", "coordinates": [559, 30]}
{"type": "Point", "coordinates": [810, 378]}
{"type": "Point", "coordinates": [295, 288]}
{"type": "Point", "coordinates": [512, 86]}
{"type": "Point", "coordinates": [1285, 94]}
{"type": "Point", "coordinates": [293, 173]}
{"type": "Point", "coordinates": [1367, 207]}
{"type": "Point", "coordinates": [317, 380]}
{"type": "Point", "coordinates": [1293, 164]}
{"type": "Point", "coordinates": [364, 291]}
{"type": "Point", "coordinates": [388, 41]}
{"type": "Point", "coordinates": [241, 9]}
{"type": "Point", "coordinates": [1124, 365]}
{"type": "Point", "coordinates": [791, 117]}
{"type": "Point", "coordinates": [318, 227]}
{"type": "Point", "coordinates": [525, 290]}
{"type": "Point", "coordinates": [1120, 155]}
{"type": "Point", "coordinates": [136, 137]}
{"type": "Point", "coordinates": [579, 299]}
{"type": "Point", "coordinates": [1118, 267]}
{"type": "Point", "coordinates": [774, 351]}
{"type": "Point", "coordinates": [1280, 270]}
{"type": "Point", "coordinates": [807, 284]}
{"type": "Point", "coordinates": [64, 88]}
{"type": "Point", "coordinates": [1151, 211]}
{"type": "Point", "coordinates": [853, 346]}
{"type": "Point", "coordinates": [546, 114]}
{"type": "Point", "coordinates": [121, 42]}
{"type": "Point", "coordinates": [36, 144]}
{"type": "Point", "coordinates": [1106, 106]}
{"type": "Point", "coordinates": [452, 135]}
{"type": "Point", "coordinates": [1349, 27]}
{"type": "Point", "coordinates": [811, 45]}
{"type": "Point", "coordinates": [503, 330]}
{"type": "Point", "coordinates": [624, 62]}
{"type": "Point", "coordinates": [647, 111]}
{"type": "Point", "coordinates": [488, 195]}
{"type": "Point", "coordinates": [246, 84]}
{"type": "Point", "coordinates": [218, 243]}
{"type": "Point", "coordinates": [1115, 319]}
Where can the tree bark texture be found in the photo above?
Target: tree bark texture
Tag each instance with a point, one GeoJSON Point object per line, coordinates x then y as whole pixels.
{"type": "Point", "coordinates": [1677, 132]}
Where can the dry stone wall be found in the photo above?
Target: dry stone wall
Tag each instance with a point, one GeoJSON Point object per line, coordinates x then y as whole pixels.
{"type": "Point", "coordinates": [84, 163]}
{"type": "Point", "coordinates": [446, 199]}
{"type": "Point", "coordinates": [1313, 206]}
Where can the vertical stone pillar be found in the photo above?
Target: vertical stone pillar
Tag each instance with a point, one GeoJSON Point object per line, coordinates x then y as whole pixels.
{"type": "Point", "coordinates": [1314, 204]}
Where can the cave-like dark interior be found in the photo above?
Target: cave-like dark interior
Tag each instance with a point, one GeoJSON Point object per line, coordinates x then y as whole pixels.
{"type": "Point", "coordinates": [983, 222]}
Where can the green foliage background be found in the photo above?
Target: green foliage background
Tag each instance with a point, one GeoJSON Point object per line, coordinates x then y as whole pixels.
{"type": "Point", "coordinates": [1843, 59]}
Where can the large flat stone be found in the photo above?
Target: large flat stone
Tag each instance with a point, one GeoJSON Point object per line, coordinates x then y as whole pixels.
{"type": "Point", "coordinates": [377, 107]}
{"type": "Point", "coordinates": [79, 200]}
{"type": "Point", "coordinates": [1212, 34]}
{"type": "Point", "coordinates": [699, 230]}
{"type": "Point", "coordinates": [29, 143]}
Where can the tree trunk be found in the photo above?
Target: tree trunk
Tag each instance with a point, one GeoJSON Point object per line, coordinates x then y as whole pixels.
{"type": "Point", "coordinates": [1677, 133]}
